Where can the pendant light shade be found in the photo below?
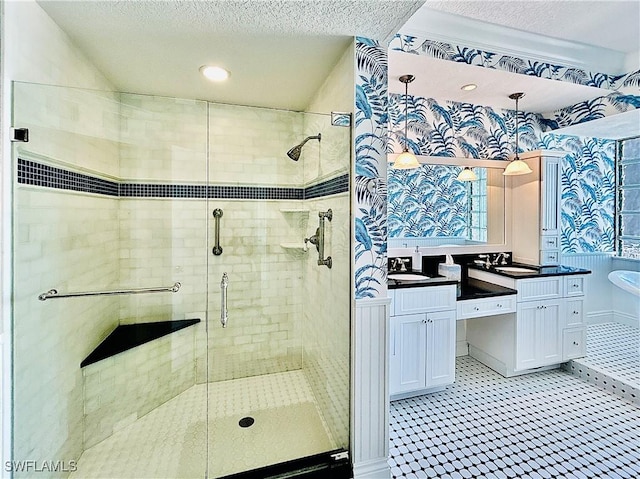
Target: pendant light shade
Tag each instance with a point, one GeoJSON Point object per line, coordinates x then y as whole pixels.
{"type": "Point", "coordinates": [406, 160]}
{"type": "Point", "coordinates": [467, 174]}
{"type": "Point", "coordinates": [517, 166]}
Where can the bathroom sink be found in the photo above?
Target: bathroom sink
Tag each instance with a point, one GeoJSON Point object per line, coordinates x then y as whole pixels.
{"type": "Point", "coordinates": [407, 277]}
{"type": "Point", "coordinates": [515, 269]}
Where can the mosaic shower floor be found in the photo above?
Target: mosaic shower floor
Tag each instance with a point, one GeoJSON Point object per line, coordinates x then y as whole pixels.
{"type": "Point", "coordinates": [170, 442]}
{"type": "Point", "coordinates": [548, 424]}
{"type": "Point", "coordinates": [612, 361]}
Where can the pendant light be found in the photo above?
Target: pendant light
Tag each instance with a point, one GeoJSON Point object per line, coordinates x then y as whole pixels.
{"type": "Point", "coordinates": [467, 174]}
{"type": "Point", "coordinates": [517, 166]}
{"type": "Point", "coordinates": [406, 160]}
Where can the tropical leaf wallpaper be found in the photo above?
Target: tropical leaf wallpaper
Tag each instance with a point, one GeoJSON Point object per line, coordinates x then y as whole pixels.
{"type": "Point", "coordinates": [417, 198]}
{"type": "Point", "coordinates": [427, 201]}
{"type": "Point", "coordinates": [497, 61]}
{"type": "Point", "coordinates": [588, 192]}
{"type": "Point", "coordinates": [371, 120]}
{"type": "Point", "coordinates": [459, 129]}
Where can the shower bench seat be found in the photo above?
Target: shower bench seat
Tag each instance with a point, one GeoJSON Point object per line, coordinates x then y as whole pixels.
{"type": "Point", "coordinates": [128, 336]}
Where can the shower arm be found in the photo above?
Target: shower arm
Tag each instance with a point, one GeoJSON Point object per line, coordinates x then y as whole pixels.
{"type": "Point", "coordinates": [318, 239]}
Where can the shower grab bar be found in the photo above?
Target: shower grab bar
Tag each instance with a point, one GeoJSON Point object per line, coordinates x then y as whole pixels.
{"type": "Point", "coordinates": [53, 293]}
{"type": "Point", "coordinates": [318, 239]}
{"type": "Point", "coordinates": [217, 249]}
{"type": "Point", "coordinates": [224, 314]}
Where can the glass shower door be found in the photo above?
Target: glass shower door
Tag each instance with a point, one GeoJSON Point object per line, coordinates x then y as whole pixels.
{"type": "Point", "coordinates": [110, 197]}
{"type": "Point", "coordinates": [278, 368]}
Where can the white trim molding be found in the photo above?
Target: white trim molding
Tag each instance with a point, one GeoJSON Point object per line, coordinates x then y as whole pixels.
{"type": "Point", "coordinates": [370, 415]}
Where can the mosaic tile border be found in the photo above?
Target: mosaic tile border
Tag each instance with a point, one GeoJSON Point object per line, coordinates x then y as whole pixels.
{"type": "Point", "coordinates": [37, 174]}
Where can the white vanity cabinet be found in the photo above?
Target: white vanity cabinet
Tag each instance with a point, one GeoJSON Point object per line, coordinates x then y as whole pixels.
{"type": "Point", "coordinates": [547, 329]}
{"type": "Point", "coordinates": [422, 339]}
{"type": "Point", "coordinates": [535, 215]}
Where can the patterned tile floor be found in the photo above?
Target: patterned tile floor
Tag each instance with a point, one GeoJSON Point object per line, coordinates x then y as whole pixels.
{"type": "Point", "coordinates": [170, 441]}
{"type": "Point", "coordinates": [615, 350]}
{"type": "Point", "coordinates": [541, 425]}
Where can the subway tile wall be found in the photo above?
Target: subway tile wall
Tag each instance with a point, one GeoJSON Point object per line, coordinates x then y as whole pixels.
{"type": "Point", "coordinates": [78, 241]}
{"type": "Point", "coordinates": [121, 389]}
{"type": "Point", "coordinates": [66, 241]}
{"type": "Point", "coordinates": [326, 325]}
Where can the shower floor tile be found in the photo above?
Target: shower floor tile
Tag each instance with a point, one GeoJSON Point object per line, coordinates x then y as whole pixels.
{"type": "Point", "coordinates": [170, 442]}
{"type": "Point", "coordinates": [541, 425]}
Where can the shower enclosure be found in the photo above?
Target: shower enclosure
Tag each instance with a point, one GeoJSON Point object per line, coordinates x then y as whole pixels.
{"type": "Point", "coordinates": [167, 216]}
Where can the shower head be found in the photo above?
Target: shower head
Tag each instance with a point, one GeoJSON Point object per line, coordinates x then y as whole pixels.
{"type": "Point", "coordinates": [294, 153]}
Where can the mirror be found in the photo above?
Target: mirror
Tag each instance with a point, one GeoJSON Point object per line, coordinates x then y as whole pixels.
{"type": "Point", "coordinates": [429, 207]}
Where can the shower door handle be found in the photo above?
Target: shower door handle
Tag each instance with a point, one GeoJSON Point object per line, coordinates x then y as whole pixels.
{"type": "Point", "coordinates": [224, 314]}
{"type": "Point", "coordinates": [217, 249]}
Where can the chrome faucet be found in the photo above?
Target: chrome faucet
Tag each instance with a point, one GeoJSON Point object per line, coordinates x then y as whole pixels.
{"type": "Point", "coordinates": [501, 258]}
{"type": "Point", "coordinates": [487, 260]}
{"type": "Point", "coordinates": [399, 264]}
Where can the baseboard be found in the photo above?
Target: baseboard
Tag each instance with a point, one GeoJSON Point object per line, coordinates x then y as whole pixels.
{"type": "Point", "coordinates": [597, 317]}
{"type": "Point", "coordinates": [462, 348]}
{"type": "Point", "coordinates": [488, 360]}
{"type": "Point", "coordinates": [374, 469]}
{"type": "Point", "coordinates": [626, 319]}
{"type": "Point", "coordinates": [611, 316]}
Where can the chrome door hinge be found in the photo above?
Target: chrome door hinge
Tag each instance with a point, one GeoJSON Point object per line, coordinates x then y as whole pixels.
{"type": "Point", "coordinates": [340, 456]}
{"type": "Point", "coordinates": [20, 134]}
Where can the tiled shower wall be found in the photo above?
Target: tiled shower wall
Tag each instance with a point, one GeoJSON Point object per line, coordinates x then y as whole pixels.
{"type": "Point", "coordinates": [326, 292]}
{"type": "Point", "coordinates": [68, 241]}
{"type": "Point", "coordinates": [85, 241]}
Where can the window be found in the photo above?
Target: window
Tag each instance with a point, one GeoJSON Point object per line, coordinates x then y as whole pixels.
{"type": "Point", "coordinates": [477, 206]}
{"type": "Point", "coordinates": [628, 240]}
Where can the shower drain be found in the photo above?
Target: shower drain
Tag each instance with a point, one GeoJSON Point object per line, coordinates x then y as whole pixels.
{"type": "Point", "coordinates": [246, 421]}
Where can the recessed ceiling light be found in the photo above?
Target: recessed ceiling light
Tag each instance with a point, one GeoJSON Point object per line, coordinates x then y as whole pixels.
{"type": "Point", "coordinates": [469, 87]}
{"type": "Point", "coordinates": [214, 73]}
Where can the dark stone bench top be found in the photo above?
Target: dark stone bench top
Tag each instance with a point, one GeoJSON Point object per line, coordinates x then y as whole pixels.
{"type": "Point", "coordinates": [128, 336]}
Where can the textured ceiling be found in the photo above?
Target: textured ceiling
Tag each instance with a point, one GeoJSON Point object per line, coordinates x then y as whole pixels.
{"type": "Point", "coordinates": [278, 51]}
{"type": "Point", "coordinates": [607, 24]}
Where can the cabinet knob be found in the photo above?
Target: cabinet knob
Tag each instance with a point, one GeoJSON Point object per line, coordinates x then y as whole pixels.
{"type": "Point", "coordinates": [475, 308]}
{"type": "Point", "coordinates": [576, 312]}
{"type": "Point", "coordinates": [575, 285]}
{"type": "Point", "coordinates": [576, 343]}
{"type": "Point", "coordinates": [499, 305]}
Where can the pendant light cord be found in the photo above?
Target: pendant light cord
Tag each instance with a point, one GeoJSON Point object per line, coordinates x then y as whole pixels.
{"type": "Point", "coordinates": [406, 119]}
{"type": "Point", "coordinates": [517, 158]}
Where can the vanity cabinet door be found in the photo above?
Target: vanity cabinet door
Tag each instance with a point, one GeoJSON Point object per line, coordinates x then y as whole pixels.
{"type": "Point", "coordinates": [441, 343]}
{"type": "Point", "coordinates": [550, 197]}
{"type": "Point", "coordinates": [538, 334]}
{"type": "Point", "coordinates": [407, 366]}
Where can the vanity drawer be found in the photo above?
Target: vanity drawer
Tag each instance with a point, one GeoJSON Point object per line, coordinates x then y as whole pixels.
{"type": "Point", "coordinates": [536, 289]}
{"type": "Point", "coordinates": [574, 343]}
{"type": "Point", "coordinates": [574, 314]}
{"type": "Point", "coordinates": [424, 299]}
{"type": "Point", "coordinates": [476, 308]}
{"type": "Point", "coordinates": [549, 242]}
{"type": "Point", "coordinates": [549, 258]}
{"type": "Point", "coordinates": [574, 285]}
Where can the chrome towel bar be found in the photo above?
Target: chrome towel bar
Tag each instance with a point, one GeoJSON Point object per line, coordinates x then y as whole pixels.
{"type": "Point", "coordinates": [53, 293]}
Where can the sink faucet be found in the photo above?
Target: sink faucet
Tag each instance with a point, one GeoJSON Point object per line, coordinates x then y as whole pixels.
{"type": "Point", "coordinates": [399, 264]}
{"type": "Point", "coordinates": [501, 258]}
{"type": "Point", "coordinates": [486, 258]}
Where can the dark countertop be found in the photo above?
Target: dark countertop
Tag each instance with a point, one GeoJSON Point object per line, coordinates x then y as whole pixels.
{"type": "Point", "coordinates": [474, 289]}
{"type": "Point", "coordinates": [469, 289]}
{"type": "Point", "coordinates": [540, 271]}
{"type": "Point", "coordinates": [430, 281]}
